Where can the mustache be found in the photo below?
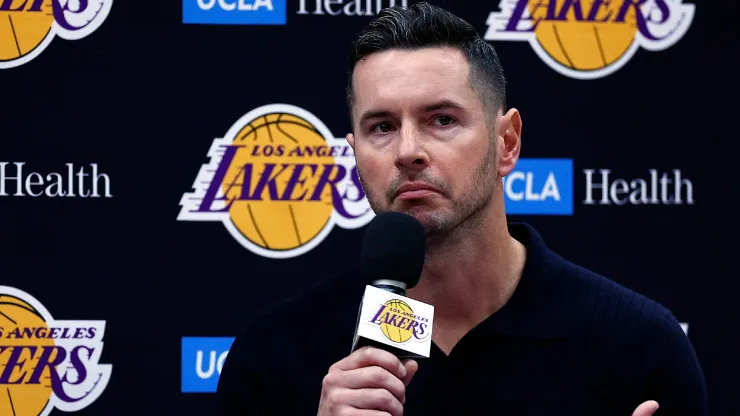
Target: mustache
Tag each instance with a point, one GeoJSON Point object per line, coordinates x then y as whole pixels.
{"type": "Point", "coordinates": [423, 177]}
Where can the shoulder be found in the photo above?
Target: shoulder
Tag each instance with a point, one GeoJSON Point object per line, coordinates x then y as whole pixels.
{"type": "Point", "coordinates": [586, 303]}
{"type": "Point", "coordinates": [646, 340]}
{"type": "Point", "coordinates": [641, 338]}
{"type": "Point", "coordinates": [603, 307]}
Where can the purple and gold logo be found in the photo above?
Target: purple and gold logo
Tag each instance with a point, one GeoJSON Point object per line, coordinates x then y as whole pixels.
{"type": "Point", "coordinates": [279, 182]}
{"type": "Point", "coordinates": [27, 27]}
{"type": "Point", "coordinates": [588, 39]}
{"type": "Point", "coordinates": [398, 323]}
{"type": "Point", "coordinates": [47, 363]}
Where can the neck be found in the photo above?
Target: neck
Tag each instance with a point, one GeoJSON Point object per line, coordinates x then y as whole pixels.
{"type": "Point", "coordinates": [472, 272]}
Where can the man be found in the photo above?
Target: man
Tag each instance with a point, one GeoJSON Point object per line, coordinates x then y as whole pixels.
{"type": "Point", "coordinates": [517, 329]}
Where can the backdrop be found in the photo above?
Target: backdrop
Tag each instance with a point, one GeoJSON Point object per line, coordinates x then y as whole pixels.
{"type": "Point", "coordinates": [169, 169]}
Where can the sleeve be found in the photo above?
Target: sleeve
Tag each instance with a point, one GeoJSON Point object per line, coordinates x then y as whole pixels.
{"type": "Point", "coordinates": [240, 383]}
{"type": "Point", "coordinates": [675, 379]}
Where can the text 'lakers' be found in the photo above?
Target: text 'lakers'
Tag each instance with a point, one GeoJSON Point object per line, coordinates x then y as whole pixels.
{"type": "Point", "coordinates": [278, 181]}
{"type": "Point", "coordinates": [286, 181]}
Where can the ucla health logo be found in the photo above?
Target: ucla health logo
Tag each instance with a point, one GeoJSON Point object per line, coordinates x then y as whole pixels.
{"type": "Point", "coordinates": [27, 27]}
{"type": "Point", "coordinates": [46, 363]}
{"type": "Point", "coordinates": [202, 362]}
{"type": "Point", "coordinates": [590, 39]}
{"type": "Point", "coordinates": [540, 186]}
{"type": "Point", "coordinates": [279, 182]}
{"type": "Point", "coordinates": [234, 12]}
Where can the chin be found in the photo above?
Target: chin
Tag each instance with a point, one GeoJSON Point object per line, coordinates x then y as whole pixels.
{"type": "Point", "coordinates": [427, 216]}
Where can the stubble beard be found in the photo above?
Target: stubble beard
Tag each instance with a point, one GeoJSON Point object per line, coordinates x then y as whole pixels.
{"type": "Point", "coordinates": [466, 211]}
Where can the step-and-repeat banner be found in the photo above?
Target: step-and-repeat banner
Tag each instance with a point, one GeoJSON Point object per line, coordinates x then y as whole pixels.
{"type": "Point", "coordinates": [125, 272]}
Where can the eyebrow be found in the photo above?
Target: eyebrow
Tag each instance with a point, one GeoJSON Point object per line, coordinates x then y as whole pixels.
{"type": "Point", "coordinates": [440, 105]}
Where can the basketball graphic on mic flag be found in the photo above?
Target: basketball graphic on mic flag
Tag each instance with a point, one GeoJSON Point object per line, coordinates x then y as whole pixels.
{"type": "Point", "coordinates": [395, 320]}
{"type": "Point", "coordinates": [395, 333]}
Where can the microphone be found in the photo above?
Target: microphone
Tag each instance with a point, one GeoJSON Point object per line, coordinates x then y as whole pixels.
{"type": "Point", "coordinates": [392, 259]}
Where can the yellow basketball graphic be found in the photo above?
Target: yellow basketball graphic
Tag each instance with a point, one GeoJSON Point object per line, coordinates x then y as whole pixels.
{"type": "Point", "coordinates": [279, 181]}
{"type": "Point", "coordinates": [23, 28]}
{"type": "Point", "coordinates": [23, 399]}
{"type": "Point", "coordinates": [585, 45]}
{"type": "Point", "coordinates": [590, 39]}
{"type": "Point", "coordinates": [395, 333]}
{"type": "Point", "coordinates": [274, 146]}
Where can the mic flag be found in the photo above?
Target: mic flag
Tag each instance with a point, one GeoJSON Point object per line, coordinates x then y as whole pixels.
{"type": "Point", "coordinates": [395, 323]}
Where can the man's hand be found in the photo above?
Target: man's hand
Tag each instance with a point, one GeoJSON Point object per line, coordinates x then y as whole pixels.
{"type": "Point", "coordinates": [646, 409]}
{"type": "Point", "coordinates": [370, 381]}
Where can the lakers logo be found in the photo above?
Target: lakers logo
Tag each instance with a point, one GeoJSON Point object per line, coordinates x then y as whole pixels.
{"type": "Point", "coordinates": [278, 181]}
{"type": "Point", "coordinates": [27, 27]}
{"type": "Point", "coordinates": [47, 363]}
{"type": "Point", "coordinates": [590, 39]}
{"type": "Point", "coordinates": [398, 322]}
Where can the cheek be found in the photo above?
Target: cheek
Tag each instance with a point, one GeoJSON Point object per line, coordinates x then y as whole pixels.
{"type": "Point", "coordinates": [372, 170]}
{"type": "Point", "coordinates": [463, 165]}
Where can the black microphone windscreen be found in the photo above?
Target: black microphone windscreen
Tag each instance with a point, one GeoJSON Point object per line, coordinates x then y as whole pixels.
{"type": "Point", "coordinates": [393, 248]}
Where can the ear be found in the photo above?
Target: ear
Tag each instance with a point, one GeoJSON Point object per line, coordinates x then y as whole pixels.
{"type": "Point", "coordinates": [351, 140]}
{"type": "Point", "coordinates": [509, 130]}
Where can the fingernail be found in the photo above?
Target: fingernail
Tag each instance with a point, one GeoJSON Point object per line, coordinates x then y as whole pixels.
{"type": "Point", "coordinates": [402, 371]}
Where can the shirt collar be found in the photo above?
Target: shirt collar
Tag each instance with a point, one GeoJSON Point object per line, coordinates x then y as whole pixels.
{"type": "Point", "coordinates": [538, 307]}
{"type": "Point", "coordinates": [541, 301]}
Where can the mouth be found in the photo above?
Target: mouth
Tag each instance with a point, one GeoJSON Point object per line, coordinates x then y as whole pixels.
{"type": "Point", "coordinates": [409, 191]}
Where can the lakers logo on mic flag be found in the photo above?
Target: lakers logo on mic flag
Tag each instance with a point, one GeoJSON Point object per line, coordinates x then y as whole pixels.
{"type": "Point", "coordinates": [398, 322]}
{"type": "Point", "coordinates": [395, 320]}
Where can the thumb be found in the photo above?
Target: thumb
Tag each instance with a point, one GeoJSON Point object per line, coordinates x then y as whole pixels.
{"type": "Point", "coordinates": [411, 367]}
{"type": "Point", "coordinates": [647, 408]}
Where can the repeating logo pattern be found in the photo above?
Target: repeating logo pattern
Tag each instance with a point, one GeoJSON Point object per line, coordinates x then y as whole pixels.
{"type": "Point", "coordinates": [279, 182]}
{"type": "Point", "coordinates": [27, 27]}
{"type": "Point", "coordinates": [47, 363]}
{"type": "Point", "coordinates": [590, 39]}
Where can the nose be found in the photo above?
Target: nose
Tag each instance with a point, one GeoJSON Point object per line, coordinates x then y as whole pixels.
{"type": "Point", "coordinates": [411, 154]}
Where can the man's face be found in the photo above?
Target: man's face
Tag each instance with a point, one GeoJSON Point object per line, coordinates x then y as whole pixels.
{"type": "Point", "coordinates": [418, 124]}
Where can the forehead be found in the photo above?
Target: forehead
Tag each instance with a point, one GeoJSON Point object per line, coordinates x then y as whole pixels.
{"type": "Point", "coordinates": [406, 77]}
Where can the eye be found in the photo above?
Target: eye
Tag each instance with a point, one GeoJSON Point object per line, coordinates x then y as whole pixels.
{"type": "Point", "coordinates": [444, 120]}
{"type": "Point", "coordinates": [381, 128]}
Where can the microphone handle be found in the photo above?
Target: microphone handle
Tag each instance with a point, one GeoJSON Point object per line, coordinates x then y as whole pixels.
{"type": "Point", "coordinates": [390, 288]}
{"type": "Point", "coordinates": [390, 285]}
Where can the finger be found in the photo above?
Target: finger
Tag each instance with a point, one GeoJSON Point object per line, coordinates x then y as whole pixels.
{"type": "Point", "coordinates": [373, 399]}
{"type": "Point", "coordinates": [366, 412]}
{"type": "Point", "coordinates": [365, 378]}
{"type": "Point", "coordinates": [369, 356]}
{"type": "Point", "coordinates": [646, 409]}
{"type": "Point", "coordinates": [411, 367]}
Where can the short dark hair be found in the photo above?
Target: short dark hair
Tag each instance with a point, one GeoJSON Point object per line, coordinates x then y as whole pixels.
{"type": "Point", "coordinates": [424, 25]}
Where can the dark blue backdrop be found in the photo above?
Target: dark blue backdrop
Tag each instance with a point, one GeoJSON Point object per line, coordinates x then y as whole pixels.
{"type": "Point", "coordinates": [143, 96]}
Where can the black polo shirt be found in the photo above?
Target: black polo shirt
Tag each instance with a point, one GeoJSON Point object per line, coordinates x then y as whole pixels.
{"type": "Point", "coordinates": [568, 342]}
